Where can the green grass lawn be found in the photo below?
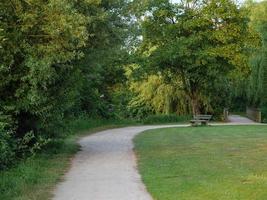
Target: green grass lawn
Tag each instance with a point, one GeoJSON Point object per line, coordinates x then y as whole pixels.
{"type": "Point", "coordinates": [204, 163]}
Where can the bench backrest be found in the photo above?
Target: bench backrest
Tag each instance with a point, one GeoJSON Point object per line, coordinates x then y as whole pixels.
{"type": "Point", "coordinates": [202, 117]}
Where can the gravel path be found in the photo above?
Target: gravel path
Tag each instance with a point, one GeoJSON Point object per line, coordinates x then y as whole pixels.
{"type": "Point", "coordinates": [105, 168]}
{"type": "Point", "coordinates": [241, 120]}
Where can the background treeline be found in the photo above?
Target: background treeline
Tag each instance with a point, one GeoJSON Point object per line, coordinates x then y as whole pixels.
{"type": "Point", "coordinates": [59, 60]}
{"type": "Point", "coordinates": [65, 60]}
{"type": "Point", "coordinates": [257, 89]}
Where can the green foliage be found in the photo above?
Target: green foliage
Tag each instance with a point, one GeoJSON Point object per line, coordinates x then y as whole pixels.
{"type": "Point", "coordinates": [257, 94]}
{"type": "Point", "coordinates": [120, 98]}
{"type": "Point", "coordinates": [41, 38]}
{"type": "Point", "coordinates": [84, 122]}
{"type": "Point", "coordinates": [13, 149]}
{"type": "Point", "coordinates": [139, 109]}
{"type": "Point", "coordinates": [7, 142]}
{"type": "Point", "coordinates": [159, 96]}
{"type": "Point", "coordinates": [198, 42]}
{"type": "Point", "coordinates": [43, 80]}
{"type": "Point", "coordinates": [171, 118]}
{"type": "Point", "coordinates": [255, 88]}
{"type": "Point", "coordinates": [218, 96]}
{"type": "Point", "coordinates": [264, 113]}
{"type": "Point", "coordinates": [102, 65]}
{"type": "Point", "coordinates": [7, 149]}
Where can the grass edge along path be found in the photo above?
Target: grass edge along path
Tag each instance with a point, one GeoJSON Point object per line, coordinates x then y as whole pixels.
{"type": "Point", "coordinates": [36, 177]}
{"type": "Point", "coordinates": [218, 162]}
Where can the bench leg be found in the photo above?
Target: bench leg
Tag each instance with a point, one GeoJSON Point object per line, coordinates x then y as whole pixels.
{"type": "Point", "coordinates": [193, 123]}
{"type": "Point", "coordinates": [204, 123]}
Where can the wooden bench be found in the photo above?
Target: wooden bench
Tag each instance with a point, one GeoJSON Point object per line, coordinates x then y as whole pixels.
{"type": "Point", "coordinates": [200, 120]}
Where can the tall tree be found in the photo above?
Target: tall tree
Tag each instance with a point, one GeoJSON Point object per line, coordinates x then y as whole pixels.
{"type": "Point", "coordinates": [42, 80]}
{"type": "Point", "coordinates": [257, 92]}
{"type": "Point", "coordinates": [40, 39]}
{"type": "Point", "coordinates": [104, 55]}
{"type": "Point", "coordinates": [198, 41]}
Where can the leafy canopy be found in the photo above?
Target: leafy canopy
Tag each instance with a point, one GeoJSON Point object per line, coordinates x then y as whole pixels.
{"type": "Point", "coordinates": [195, 40]}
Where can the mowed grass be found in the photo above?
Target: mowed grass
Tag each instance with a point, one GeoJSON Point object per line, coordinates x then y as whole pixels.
{"type": "Point", "coordinates": [204, 163]}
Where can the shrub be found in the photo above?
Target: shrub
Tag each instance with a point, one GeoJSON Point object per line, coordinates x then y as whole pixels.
{"type": "Point", "coordinates": [7, 149]}
{"type": "Point", "coordinates": [171, 118]}
{"type": "Point", "coordinates": [264, 114]}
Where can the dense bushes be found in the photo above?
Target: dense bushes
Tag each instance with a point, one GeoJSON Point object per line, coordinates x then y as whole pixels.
{"type": "Point", "coordinates": [39, 40]}
{"type": "Point", "coordinates": [7, 149]}
{"type": "Point", "coordinates": [161, 119]}
{"type": "Point", "coordinates": [41, 81]}
{"type": "Point", "coordinates": [257, 93]}
{"type": "Point", "coordinates": [13, 149]}
{"type": "Point", "coordinates": [264, 114]}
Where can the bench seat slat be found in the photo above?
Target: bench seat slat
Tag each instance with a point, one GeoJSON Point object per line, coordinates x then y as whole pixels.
{"type": "Point", "coordinates": [203, 119]}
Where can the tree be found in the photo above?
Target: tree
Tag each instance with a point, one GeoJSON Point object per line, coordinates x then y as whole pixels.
{"type": "Point", "coordinates": [102, 67]}
{"type": "Point", "coordinates": [158, 96]}
{"type": "Point", "coordinates": [258, 61]}
{"type": "Point", "coordinates": [42, 77]}
{"type": "Point", "coordinates": [197, 41]}
{"type": "Point", "coordinates": [39, 39]}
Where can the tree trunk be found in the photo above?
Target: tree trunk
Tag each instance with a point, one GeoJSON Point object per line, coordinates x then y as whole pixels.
{"type": "Point", "coordinates": [195, 104]}
{"type": "Point", "coordinates": [192, 94]}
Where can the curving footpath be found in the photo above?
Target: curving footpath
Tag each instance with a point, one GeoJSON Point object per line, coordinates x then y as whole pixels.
{"type": "Point", "coordinates": [241, 120]}
{"type": "Point", "coordinates": [105, 168]}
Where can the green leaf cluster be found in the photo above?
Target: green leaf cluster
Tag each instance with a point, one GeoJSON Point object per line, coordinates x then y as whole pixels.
{"type": "Point", "coordinates": [257, 93]}
{"type": "Point", "coordinates": [56, 56]}
{"type": "Point", "coordinates": [197, 41]}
